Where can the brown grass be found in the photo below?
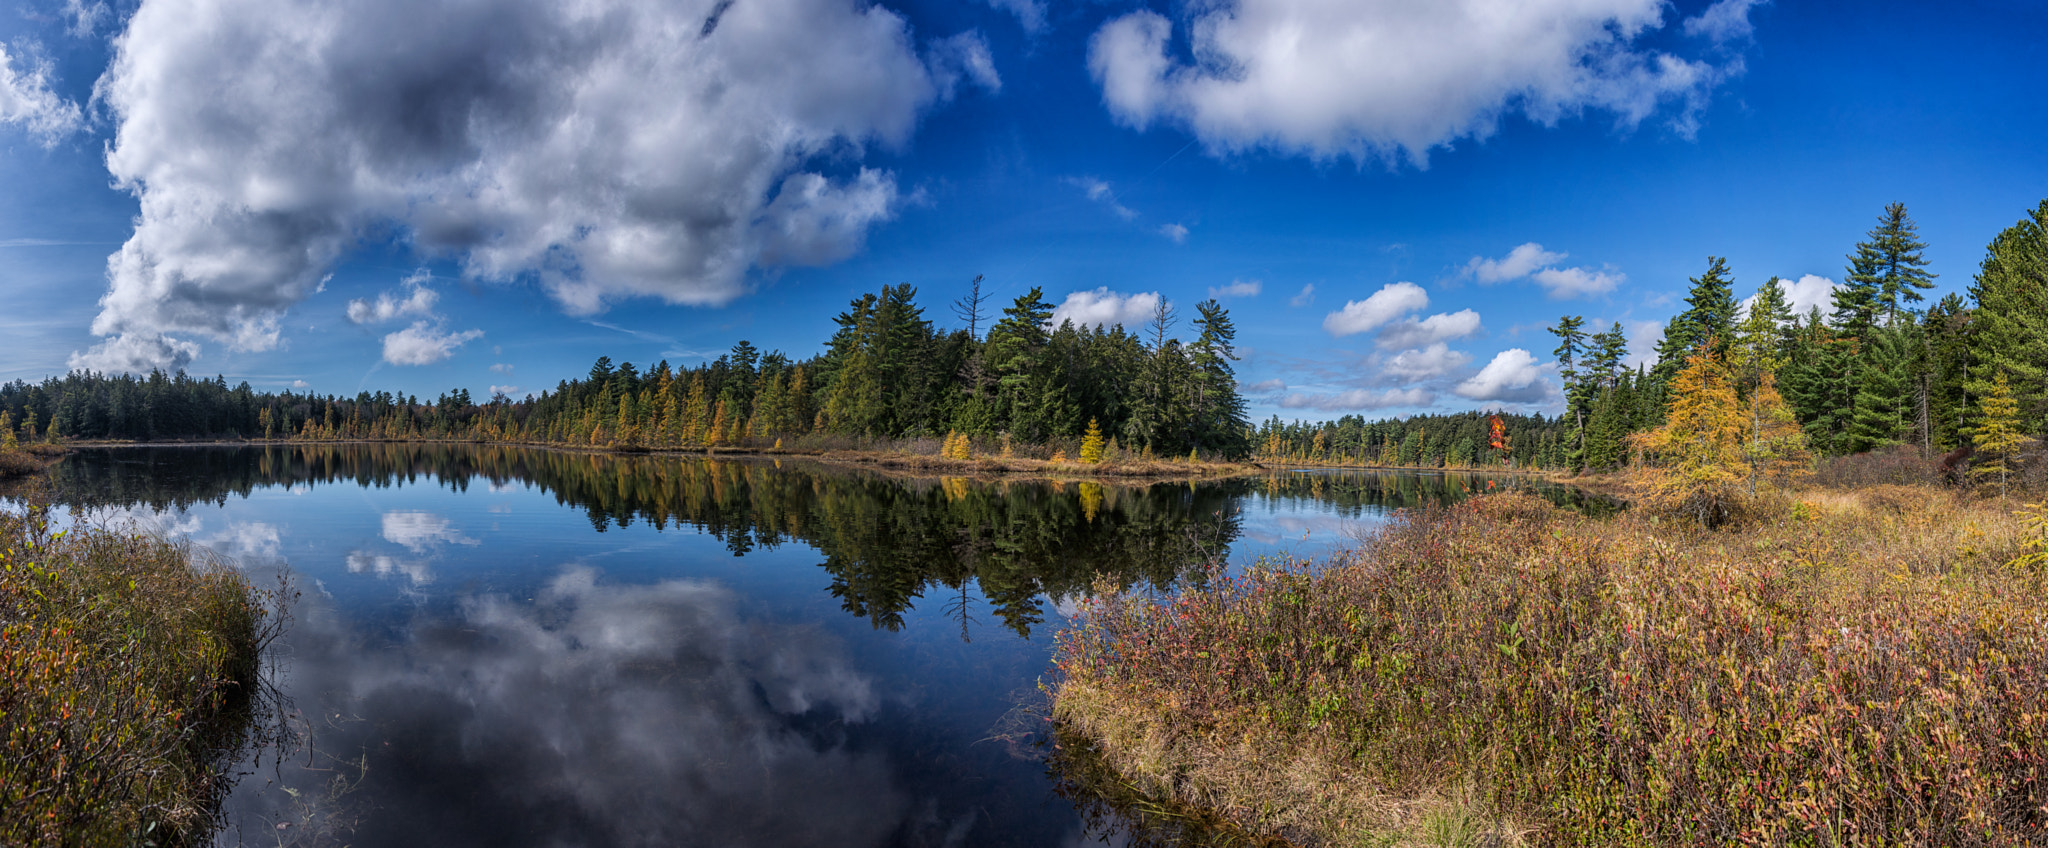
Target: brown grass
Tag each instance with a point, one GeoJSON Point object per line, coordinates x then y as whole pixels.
{"type": "Point", "coordinates": [1861, 667]}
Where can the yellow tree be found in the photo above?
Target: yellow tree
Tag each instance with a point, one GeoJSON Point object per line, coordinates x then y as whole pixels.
{"type": "Point", "coordinates": [1698, 453]}
{"type": "Point", "coordinates": [1091, 444]}
{"type": "Point", "coordinates": [1777, 447]}
{"type": "Point", "coordinates": [1998, 434]}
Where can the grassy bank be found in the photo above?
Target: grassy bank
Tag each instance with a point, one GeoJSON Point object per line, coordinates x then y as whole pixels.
{"type": "Point", "coordinates": [126, 674]}
{"type": "Point", "coordinates": [1865, 667]}
{"type": "Point", "coordinates": [27, 460]}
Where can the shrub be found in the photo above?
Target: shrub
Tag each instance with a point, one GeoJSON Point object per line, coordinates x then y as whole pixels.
{"type": "Point", "coordinates": [1859, 677]}
{"type": "Point", "coordinates": [127, 676]}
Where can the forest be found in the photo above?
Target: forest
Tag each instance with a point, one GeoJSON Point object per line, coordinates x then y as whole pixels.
{"type": "Point", "coordinates": [1873, 371]}
{"type": "Point", "coordinates": [1967, 373]}
{"type": "Point", "coordinates": [1012, 380]}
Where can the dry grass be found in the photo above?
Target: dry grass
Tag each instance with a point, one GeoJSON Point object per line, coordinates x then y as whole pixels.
{"type": "Point", "coordinates": [1856, 667]}
{"type": "Point", "coordinates": [126, 677]}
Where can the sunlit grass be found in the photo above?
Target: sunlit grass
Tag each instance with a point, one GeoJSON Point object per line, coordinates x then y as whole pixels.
{"type": "Point", "coordinates": [127, 673]}
{"type": "Point", "coordinates": [1853, 667]}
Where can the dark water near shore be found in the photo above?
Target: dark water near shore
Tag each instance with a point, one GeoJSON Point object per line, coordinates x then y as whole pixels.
{"type": "Point", "coordinates": [506, 647]}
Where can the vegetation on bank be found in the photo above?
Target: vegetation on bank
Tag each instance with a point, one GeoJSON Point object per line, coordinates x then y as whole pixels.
{"type": "Point", "coordinates": [1865, 666]}
{"type": "Point", "coordinates": [887, 373]}
{"type": "Point", "coordinates": [127, 679]}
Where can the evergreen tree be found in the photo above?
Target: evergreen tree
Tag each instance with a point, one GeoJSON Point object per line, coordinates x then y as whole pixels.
{"type": "Point", "coordinates": [1709, 315]}
{"type": "Point", "coordinates": [1879, 411]}
{"type": "Point", "coordinates": [1887, 269]}
{"type": "Point", "coordinates": [2009, 337]}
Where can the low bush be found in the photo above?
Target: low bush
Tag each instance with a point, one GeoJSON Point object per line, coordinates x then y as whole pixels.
{"type": "Point", "coordinates": [127, 676]}
{"type": "Point", "coordinates": [1846, 672]}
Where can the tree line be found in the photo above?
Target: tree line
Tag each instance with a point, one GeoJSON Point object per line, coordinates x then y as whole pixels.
{"type": "Point", "coordinates": [887, 372]}
{"type": "Point", "coordinates": [1968, 373]}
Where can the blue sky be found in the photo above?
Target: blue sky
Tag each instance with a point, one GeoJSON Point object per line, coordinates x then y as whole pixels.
{"type": "Point", "coordinates": [1393, 199]}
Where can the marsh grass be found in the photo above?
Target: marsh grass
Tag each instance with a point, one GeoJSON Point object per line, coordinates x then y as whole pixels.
{"type": "Point", "coordinates": [129, 671]}
{"type": "Point", "coordinates": [1856, 667]}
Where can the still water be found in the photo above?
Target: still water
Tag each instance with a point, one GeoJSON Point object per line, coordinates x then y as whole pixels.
{"type": "Point", "coordinates": [507, 647]}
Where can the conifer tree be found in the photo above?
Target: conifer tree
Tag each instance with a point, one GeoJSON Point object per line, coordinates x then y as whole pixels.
{"type": "Point", "coordinates": [1879, 412]}
{"type": "Point", "coordinates": [1709, 315]}
{"type": "Point", "coordinates": [2010, 323]}
{"type": "Point", "coordinates": [1887, 270]}
{"type": "Point", "coordinates": [1091, 444]}
{"type": "Point", "coordinates": [1998, 435]}
{"type": "Point", "coordinates": [1699, 450]}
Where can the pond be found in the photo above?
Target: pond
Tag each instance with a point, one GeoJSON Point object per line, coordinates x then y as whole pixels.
{"type": "Point", "coordinates": [506, 646]}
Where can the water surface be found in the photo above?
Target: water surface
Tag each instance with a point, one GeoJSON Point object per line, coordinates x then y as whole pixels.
{"type": "Point", "coordinates": [502, 646]}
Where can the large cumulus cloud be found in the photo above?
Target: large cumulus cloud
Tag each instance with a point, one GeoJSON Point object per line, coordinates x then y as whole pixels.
{"type": "Point", "coordinates": [1394, 78]}
{"type": "Point", "coordinates": [601, 149]}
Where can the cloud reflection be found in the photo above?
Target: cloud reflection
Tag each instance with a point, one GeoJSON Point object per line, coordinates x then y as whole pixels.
{"type": "Point", "coordinates": [596, 714]}
{"type": "Point", "coordinates": [421, 531]}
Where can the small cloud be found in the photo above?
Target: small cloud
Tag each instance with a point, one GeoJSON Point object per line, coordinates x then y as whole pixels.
{"type": "Point", "coordinates": [508, 391]}
{"type": "Point", "coordinates": [419, 303]}
{"type": "Point", "coordinates": [1643, 338]}
{"type": "Point", "coordinates": [301, 384]}
{"type": "Point", "coordinates": [1265, 386]}
{"type": "Point", "coordinates": [1359, 399]}
{"type": "Point", "coordinates": [1390, 302]}
{"type": "Point", "coordinates": [1030, 13]}
{"type": "Point", "coordinates": [962, 58]}
{"type": "Point", "coordinates": [424, 344]}
{"type": "Point", "coordinates": [1725, 21]}
{"type": "Point", "coordinates": [1809, 292]}
{"type": "Point", "coordinates": [1433, 361]}
{"type": "Point", "coordinates": [1563, 283]}
{"type": "Point", "coordinates": [500, 367]}
{"type": "Point", "coordinates": [1306, 297]}
{"type": "Point", "coordinates": [1175, 232]}
{"type": "Point", "coordinates": [1237, 288]}
{"type": "Point", "coordinates": [1519, 263]}
{"type": "Point", "coordinates": [1412, 333]}
{"type": "Point", "coordinates": [1514, 376]}
{"type": "Point", "coordinates": [1105, 308]}
{"type": "Point", "coordinates": [1100, 192]}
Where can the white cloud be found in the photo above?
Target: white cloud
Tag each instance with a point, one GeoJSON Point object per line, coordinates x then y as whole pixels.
{"type": "Point", "coordinates": [424, 343]}
{"type": "Point", "coordinates": [1175, 232]}
{"type": "Point", "coordinates": [1433, 361]}
{"type": "Point", "coordinates": [419, 304]}
{"type": "Point", "coordinates": [26, 100]}
{"type": "Point", "coordinates": [963, 57]}
{"type": "Point", "coordinates": [1514, 376]}
{"type": "Point", "coordinates": [508, 391]}
{"type": "Point", "coordinates": [1808, 292]}
{"type": "Point", "coordinates": [301, 384]}
{"type": "Point", "coordinates": [603, 150]}
{"type": "Point", "coordinates": [85, 17]}
{"type": "Point", "coordinates": [1030, 13]}
{"type": "Point", "coordinates": [1727, 20]}
{"type": "Point", "coordinates": [1411, 333]}
{"type": "Point", "coordinates": [1390, 80]}
{"type": "Point", "coordinates": [1359, 399]}
{"type": "Point", "coordinates": [1643, 338]}
{"type": "Point", "coordinates": [500, 367]}
{"type": "Point", "coordinates": [1265, 386]}
{"type": "Point", "coordinates": [1306, 297]}
{"type": "Point", "coordinates": [1100, 192]}
{"type": "Point", "coordinates": [1237, 288]}
{"type": "Point", "coordinates": [1391, 301]}
{"type": "Point", "coordinates": [1105, 308]}
{"type": "Point", "coordinates": [1531, 261]}
{"type": "Point", "coordinates": [1563, 283]}
{"type": "Point", "coordinates": [385, 566]}
{"type": "Point", "coordinates": [136, 355]}
{"type": "Point", "coordinates": [1519, 263]}
{"type": "Point", "coordinates": [421, 531]}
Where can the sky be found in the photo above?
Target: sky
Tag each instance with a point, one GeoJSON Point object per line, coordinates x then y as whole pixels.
{"type": "Point", "coordinates": [1393, 198]}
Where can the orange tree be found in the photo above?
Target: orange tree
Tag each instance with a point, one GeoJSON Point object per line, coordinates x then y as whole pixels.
{"type": "Point", "coordinates": [1698, 456]}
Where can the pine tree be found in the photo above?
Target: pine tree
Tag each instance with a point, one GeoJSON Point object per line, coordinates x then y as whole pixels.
{"type": "Point", "coordinates": [1700, 448]}
{"type": "Point", "coordinates": [1998, 436]}
{"type": "Point", "coordinates": [1879, 411]}
{"type": "Point", "coordinates": [1578, 395]}
{"type": "Point", "coordinates": [2010, 323]}
{"type": "Point", "coordinates": [1091, 444]}
{"type": "Point", "coordinates": [1709, 315]}
{"type": "Point", "coordinates": [1887, 269]}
